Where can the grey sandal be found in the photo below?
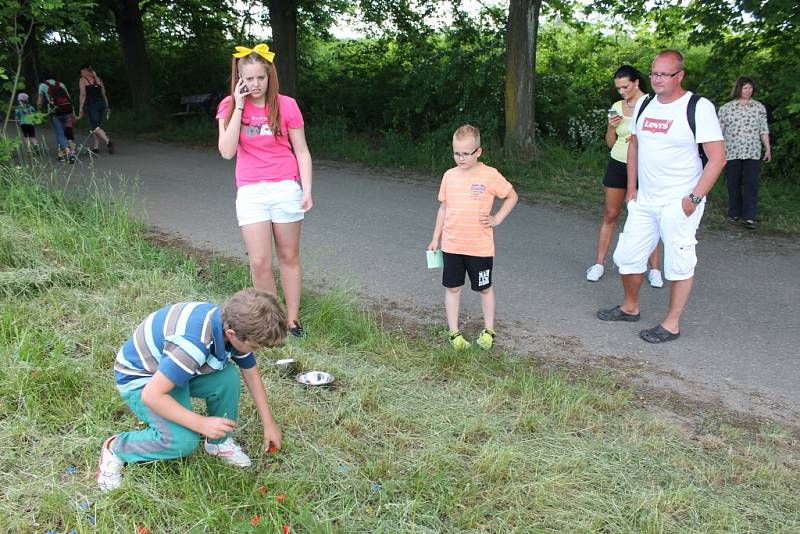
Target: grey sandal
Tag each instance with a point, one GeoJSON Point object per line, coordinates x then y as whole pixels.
{"type": "Point", "coordinates": [658, 334]}
{"type": "Point", "coordinates": [616, 314]}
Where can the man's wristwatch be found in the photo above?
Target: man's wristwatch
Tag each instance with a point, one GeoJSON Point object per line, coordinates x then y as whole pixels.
{"type": "Point", "coordinates": [695, 199]}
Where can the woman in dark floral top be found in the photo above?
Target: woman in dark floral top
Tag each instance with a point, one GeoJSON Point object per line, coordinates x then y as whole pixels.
{"type": "Point", "coordinates": [744, 126]}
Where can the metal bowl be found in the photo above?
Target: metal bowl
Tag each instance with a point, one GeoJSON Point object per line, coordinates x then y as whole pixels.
{"type": "Point", "coordinates": [314, 378]}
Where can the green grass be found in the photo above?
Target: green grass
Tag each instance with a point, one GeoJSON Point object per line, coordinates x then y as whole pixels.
{"type": "Point", "coordinates": [413, 438]}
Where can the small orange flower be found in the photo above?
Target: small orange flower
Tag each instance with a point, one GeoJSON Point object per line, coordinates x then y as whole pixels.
{"type": "Point", "coordinates": [256, 520]}
{"type": "Point", "coordinates": [285, 529]}
{"type": "Point", "coordinates": [141, 529]}
{"type": "Point", "coordinates": [272, 449]}
{"type": "Point", "coordinates": [280, 498]}
{"type": "Point", "coordinates": [263, 489]}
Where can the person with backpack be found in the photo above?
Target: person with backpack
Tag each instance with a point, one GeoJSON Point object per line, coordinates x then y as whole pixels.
{"type": "Point", "coordinates": [94, 101]}
{"type": "Point", "coordinates": [53, 98]}
{"type": "Point", "coordinates": [663, 156]}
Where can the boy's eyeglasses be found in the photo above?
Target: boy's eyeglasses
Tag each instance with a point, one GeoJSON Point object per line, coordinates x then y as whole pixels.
{"type": "Point", "coordinates": [460, 155]}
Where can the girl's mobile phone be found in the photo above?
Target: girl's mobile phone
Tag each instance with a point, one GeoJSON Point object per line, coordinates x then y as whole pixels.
{"type": "Point", "coordinates": [612, 112]}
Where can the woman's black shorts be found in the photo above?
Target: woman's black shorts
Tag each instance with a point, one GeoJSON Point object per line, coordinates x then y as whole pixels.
{"type": "Point", "coordinates": [28, 130]}
{"type": "Point", "coordinates": [616, 174]}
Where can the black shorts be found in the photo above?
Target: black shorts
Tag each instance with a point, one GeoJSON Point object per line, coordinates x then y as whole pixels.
{"type": "Point", "coordinates": [478, 268]}
{"type": "Point", "coordinates": [28, 130]}
{"type": "Point", "coordinates": [616, 175]}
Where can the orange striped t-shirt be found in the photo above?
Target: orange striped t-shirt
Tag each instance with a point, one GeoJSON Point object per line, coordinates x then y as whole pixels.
{"type": "Point", "coordinates": [468, 195]}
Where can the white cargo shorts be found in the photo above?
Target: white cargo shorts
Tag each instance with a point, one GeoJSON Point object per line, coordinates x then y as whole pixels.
{"type": "Point", "coordinates": [645, 225]}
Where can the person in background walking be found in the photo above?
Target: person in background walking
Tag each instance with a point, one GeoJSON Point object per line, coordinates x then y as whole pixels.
{"type": "Point", "coordinates": [59, 108]}
{"type": "Point", "coordinates": [21, 113]}
{"type": "Point", "coordinates": [744, 125]}
{"type": "Point", "coordinates": [631, 86]}
{"type": "Point", "coordinates": [93, 102]}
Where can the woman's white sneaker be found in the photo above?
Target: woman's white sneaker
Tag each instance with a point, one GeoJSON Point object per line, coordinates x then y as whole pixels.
{"type": "Point", "coordinates": [595, 272]}
{"type": "Point", "coordinates": [654, 277]}
{"type": "Point", "coordinates": [228, 451]}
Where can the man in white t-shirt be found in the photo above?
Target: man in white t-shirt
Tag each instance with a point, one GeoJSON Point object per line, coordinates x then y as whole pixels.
{"type": "Point", "coordinates": [663, 156]}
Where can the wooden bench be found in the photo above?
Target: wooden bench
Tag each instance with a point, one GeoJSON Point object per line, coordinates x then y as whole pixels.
{"type": "Point", "coordinates": [204, 102]}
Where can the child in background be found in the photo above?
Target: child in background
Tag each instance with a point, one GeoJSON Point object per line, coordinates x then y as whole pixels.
{"type": "Point", "coordinates": [21, 113]}
{"type": "Point", "coordinates": [184, 351]}
{"type": "Point", "coordinates": [464, 226]}
{"type": "Point", "coordinates": [69, 133]}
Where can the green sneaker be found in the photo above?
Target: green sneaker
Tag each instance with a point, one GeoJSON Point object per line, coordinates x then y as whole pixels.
{"type": "Point", "coordinates": [458, 342]}
{"type": "Point", "coordinates": [486, 339]}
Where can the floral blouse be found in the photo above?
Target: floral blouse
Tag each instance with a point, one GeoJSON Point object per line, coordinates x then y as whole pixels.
{"type": "Point", "coordinates": [742, 126]}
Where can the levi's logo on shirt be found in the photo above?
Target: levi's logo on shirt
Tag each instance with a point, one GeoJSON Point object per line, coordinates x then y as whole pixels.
{"type": "Point", "coordinates": [656, 125]}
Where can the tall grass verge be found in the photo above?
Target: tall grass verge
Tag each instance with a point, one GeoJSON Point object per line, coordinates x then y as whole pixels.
{"type": "Point", "coordinates": [412, 438]}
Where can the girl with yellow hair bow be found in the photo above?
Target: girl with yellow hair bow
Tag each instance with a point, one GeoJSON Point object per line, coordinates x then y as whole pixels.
{"type": "Point", "coordinates": [265, 131]}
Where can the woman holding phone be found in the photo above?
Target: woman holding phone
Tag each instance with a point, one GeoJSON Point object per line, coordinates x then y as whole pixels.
{"type": "Point", "coordinates": [264, 131]}
{"type": "Point", "coordinates": [631, 86]}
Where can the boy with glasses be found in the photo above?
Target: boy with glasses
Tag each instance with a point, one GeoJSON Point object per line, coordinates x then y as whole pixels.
{"type": "Point", "coordinates": [464, 226]}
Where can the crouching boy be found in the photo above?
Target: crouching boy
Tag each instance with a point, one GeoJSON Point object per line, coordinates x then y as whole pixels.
{"type": "Point", "coordinates": [182, 351]}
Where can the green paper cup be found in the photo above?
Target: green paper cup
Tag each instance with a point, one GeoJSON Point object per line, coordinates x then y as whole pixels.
{"type": "Point", "coordinates": [435, 259]}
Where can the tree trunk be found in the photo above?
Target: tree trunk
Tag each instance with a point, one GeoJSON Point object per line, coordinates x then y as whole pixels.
{"type": "Point", "coordinates": [30, 69]}
{"type": "Point", "coordinates": [283, 20]}
{"type": "Point", "coordinates": [19, 49]}
{"type": "Point", "coordinates": [128, 20]}
{"type": "Point", "coordinates": [521, 35]}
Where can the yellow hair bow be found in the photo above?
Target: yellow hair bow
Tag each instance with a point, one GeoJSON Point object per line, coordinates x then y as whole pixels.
{"type": "Point", "coordinates": [260, 49]}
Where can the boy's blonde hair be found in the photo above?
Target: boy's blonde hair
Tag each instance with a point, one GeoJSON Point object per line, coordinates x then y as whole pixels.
{"type": "Point", "coordinates": [256, 316]}
{"type": "Point", "coordinates": [466, 131]}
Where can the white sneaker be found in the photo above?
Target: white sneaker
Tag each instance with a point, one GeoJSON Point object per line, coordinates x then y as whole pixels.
{"type": "Point", "coordinates": [595, 272]}
{"type": "Point", "coordinates": [654, 277]}
{"type": "Point", "coordinates": [229, 452]}
{"type": "Point", "coordinates": [109, 472]}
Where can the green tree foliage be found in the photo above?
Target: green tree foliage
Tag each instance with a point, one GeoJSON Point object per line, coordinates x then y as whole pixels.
{"type": "Point", "coordinates": [724, 39]}
{"type": "Point", "coordinates": [760, 39]}
{"type": "Point", "coordinates": [18, 20]}
{"type": "Point", "coordinates": [419, 87]}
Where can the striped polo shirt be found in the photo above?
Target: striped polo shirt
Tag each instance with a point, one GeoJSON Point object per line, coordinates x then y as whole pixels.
{"type": "Point", "coordinates": [182, 341]}
{"type": "Point", "coordinates": [469, 194]}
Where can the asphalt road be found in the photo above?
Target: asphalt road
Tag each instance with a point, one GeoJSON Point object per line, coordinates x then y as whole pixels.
{"type": "Point", "coordinates": [740, 342]}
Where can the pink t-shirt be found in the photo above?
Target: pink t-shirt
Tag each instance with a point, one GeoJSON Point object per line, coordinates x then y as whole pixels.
{"type": "Point", "coordinates": [262, 156]}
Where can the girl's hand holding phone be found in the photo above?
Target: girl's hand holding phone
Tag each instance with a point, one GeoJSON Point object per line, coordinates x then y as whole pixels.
{"type": "Point", "coordinates": [240, 92]}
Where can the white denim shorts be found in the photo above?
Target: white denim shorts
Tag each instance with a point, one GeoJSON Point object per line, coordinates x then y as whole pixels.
{"type": "Point", "coordinates": [278, 202]}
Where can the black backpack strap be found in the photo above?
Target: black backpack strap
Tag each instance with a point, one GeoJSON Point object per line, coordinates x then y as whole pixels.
{"type": "Point", "coordinates": [691, 112]}
{"type": "Point", "coordinates": [647, 100]}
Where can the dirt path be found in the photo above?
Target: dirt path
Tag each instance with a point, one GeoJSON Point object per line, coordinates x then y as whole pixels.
{"type": "Point", "coordinates": [740, 346]}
